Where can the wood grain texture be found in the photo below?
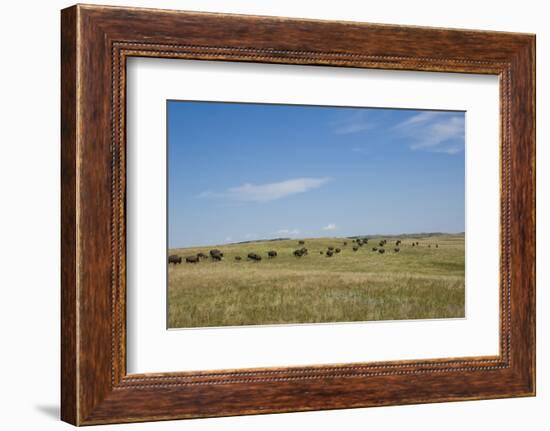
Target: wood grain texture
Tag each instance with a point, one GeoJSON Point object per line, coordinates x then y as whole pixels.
{"type": "Point", "coordinates": [96, 41]}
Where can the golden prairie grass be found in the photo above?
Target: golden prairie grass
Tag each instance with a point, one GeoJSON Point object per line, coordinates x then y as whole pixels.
{"type": "Point", "coordinates": [415, 283]}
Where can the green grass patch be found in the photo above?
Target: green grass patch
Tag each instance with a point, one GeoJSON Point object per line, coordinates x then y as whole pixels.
{"type": "Point", "coordinates": [415, 283]}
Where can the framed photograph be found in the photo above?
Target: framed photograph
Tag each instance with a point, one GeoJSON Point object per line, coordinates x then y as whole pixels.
{"type": "Point", "coordinates": [263, 214]}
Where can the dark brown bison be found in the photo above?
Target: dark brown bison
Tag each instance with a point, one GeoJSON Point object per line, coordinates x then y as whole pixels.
{"type": "Point", "coordinates": [355, 248]}
{"type": "Point", "coordinates": [321, 252]}
{"type": "Point", "coordinates": [272, 253]}
{"type": "Point", "coordinates": [437, 246]}
{"type": "Point", "coordinates": [397, 243]}
{"type": "Point", "coordinates": [429, 246]}
{"type": "Point", "coordinates": [337, 250]}
{"type": "Point", "coordinates": [330, 253]}
{"type": "Point", "coordinates": [254, 256]}
{"type": "Point", "coordinates": [381, 243]}
{"type": "Point", "coordinates": [331, 248]}
{"type": "Point", "coordinates": [301, 242]}
{"type": "Point", "coordinates": [192, 259]}
{"type": "Point", "coordinates": [345, 243]}
{"type": "Point", "coordinates": [381, 251]}
{"type": "Point", "coordinates": [374, 249]}
{"type": "Point", "coordinates": [174, 259]}
{"type": "Point", "coordinates": [416, 242]}
{"type": "Point", "coordinates": [300, 252]}
{"type": "Point", "coordinates": [238, 257]}
{"type": "Point", "coordinates": [396, 249]}
{"type": "Point", "coordinates": [216, 252]}
{"type": "Point", "coordinates": [202, 256]}
{"type": "Point", "coordinates": [217, 257]}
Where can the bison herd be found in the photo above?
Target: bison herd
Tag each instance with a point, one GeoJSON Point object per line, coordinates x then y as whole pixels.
{"type": "Point", "coordinates": [217, 255]}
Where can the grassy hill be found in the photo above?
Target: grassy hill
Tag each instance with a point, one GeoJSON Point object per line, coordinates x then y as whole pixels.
{"type": "Point", "coordinates": [415, 283]}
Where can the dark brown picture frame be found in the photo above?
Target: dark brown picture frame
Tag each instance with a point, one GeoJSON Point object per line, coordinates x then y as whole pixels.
{"type": "Point", "coordinates": [95, 43]}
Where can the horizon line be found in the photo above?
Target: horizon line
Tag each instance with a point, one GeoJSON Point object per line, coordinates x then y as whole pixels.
{"type": "Point", "coordinates": [368, 236]}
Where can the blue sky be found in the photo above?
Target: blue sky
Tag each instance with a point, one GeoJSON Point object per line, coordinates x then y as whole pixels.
{"type": "Point", "coordinates": [240, 172]}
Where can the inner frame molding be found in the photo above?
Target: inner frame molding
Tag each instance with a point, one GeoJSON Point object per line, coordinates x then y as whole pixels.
{"type": "Point", "coordinates": [124, 52]}
{"type": "Point", "coordinates": [96, 42]}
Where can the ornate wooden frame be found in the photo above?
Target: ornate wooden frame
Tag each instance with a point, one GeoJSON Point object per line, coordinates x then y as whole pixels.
{"type": "Point", "coordinates": [95, 42]}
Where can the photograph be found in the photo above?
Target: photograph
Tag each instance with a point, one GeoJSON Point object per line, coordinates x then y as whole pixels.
{"type": "Point", "coordinates": [293, 214]}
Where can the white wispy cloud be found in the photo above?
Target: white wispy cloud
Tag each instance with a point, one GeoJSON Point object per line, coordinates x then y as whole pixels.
{"type": "Point", "coordinates": [357, 121]}
{"type": "Point", "coordinates": [330, 226]}
{"type": "Point", "coordinates": [289, 232]}
{"type": "Point", "coordinates": [249, 192]}
{"type": "Point", "coordinates": [422, 118]}
{"type": "Point", "coordinates": [440, 132]}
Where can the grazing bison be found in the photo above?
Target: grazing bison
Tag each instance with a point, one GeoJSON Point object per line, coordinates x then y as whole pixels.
{"type": "Point", "coordinates": [255, 257]}
{"type": "Point", "coordinates": [413, 244]}
{"type": "Point", "coordinates": [272, 253]}
{"type": "Point", "coordinates": [301, 242]}
{"type": "Point", "coordinates": [437, 246]}
{"type": "Point", "coordinates": [174, 259]}
{"type": "Point", "coordinates": [397, 243]}
{"type": "Point", "coordinates": [374, 249]}
{"type": "Point", "coordinates": [416, 242]}
{"type": "Point", "coordinates": [331, 248]}
{"type": "Point", "coordinates": [381, 243]}
{"type": "Point", "coordinates": [396, 249]}
{"type": "Point", "coordinates": [202, 256]}
{"type": "Point", "coordinates": [238, 257]}
{"type": "Point", "coordinates": [345, 243]}
{"type": "Point", "coordinates": [337, 250]}
{"type": "Point", "coordinates": [321, 252]}
{"type": "Point", "coordinates": [300, 252]}
{"type": "Point", "coordinates": [330, 253]}
{"type": "Point", "coordinates": [216, 252]}
{"type": "Point", "coordinates": [217, 257]}
{"type": "Point", "coordinates": [192, 259]}
{"type": "Point", "coordinates": [355, 248]}
{"type": "Point", "coordinates": [381, 251]}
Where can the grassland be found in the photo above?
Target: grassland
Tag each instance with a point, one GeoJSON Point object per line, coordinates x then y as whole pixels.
{"type": "Point", "coordinates": [415, 283]}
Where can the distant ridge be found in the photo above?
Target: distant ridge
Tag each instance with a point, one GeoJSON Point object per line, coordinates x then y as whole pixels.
{"type": "Point", "coordinates": [402, 235]}
{"type": "Point", "coordinates": [259, 240]}
{"type": "Point", "coordinates": [406, 235]}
